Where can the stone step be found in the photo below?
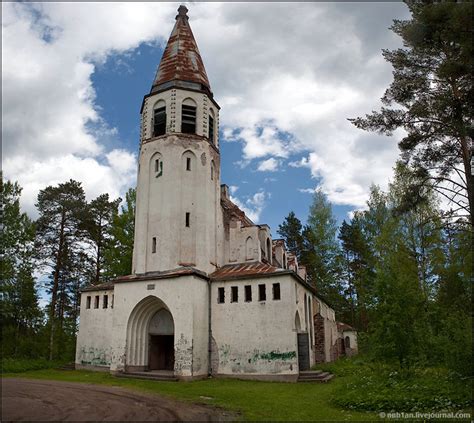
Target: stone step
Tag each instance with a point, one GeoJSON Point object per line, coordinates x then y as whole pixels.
{"type": "Point", "coordinates": [318, 377]}
{"type": "Point", "coordinates": [169, 377]}
{"type": "Point", "coordinates": [68, 366]}
{"type": "Point", "coordinates": [310, 372]}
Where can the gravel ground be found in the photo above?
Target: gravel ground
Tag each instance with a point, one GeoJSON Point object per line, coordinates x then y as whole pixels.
{"type": "Point", "coordinates": [44, 400]}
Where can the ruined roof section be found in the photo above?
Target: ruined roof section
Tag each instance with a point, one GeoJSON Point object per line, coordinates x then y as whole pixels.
{"type": "Point", "coordinates": [173, 273]}
{"type": "Point", "coordinates": [344, 327]}
{"type": "Point", "coordinates": [231, 210]}
{"type": "Point", "coordinates": [181, 59]}
{"type": "Point", "coordinates": [232, 271]}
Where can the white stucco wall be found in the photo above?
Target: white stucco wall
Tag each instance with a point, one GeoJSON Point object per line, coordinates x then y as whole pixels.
{"type": "Point", "coordinates": [257, 337]}
{"type": "Point", "coordinates": [93, 346]}
{"type": "Point", "coordinates": [186, 299]}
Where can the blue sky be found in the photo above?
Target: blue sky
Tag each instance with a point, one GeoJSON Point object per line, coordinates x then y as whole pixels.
{"type": "Point", "coordinates": [284, 74]}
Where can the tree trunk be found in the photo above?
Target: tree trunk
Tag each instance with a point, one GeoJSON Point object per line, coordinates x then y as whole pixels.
{"type": "Point", "coordinates": [54, 294]}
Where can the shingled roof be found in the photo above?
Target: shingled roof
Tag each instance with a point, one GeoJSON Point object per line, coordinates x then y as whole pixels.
{"type": "Point", "coordinates": [181, 59]}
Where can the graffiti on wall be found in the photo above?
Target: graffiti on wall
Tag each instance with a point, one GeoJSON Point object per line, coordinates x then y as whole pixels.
{"type": "Point", "coordinates": [255, 361]}
{"type": "Point", "coordinates": [183, 355]}
{"type": "Point", "coordinates": [95, 356]}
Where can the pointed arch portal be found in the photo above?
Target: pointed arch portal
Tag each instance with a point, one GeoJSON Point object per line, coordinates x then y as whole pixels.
{"type": "Point", "coordinates": [150, 336]}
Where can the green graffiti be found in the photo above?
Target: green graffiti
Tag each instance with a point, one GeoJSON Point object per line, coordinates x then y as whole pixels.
{"type": "Point", "coordinates": [275, 355]}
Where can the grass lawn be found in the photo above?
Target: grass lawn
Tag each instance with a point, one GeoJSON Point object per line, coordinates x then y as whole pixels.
{"type": "Point", "coordinates": [254, 400]}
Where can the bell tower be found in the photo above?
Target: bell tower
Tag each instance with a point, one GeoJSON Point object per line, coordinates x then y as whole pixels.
{"type": "Point", "coordinates": [178, 215]}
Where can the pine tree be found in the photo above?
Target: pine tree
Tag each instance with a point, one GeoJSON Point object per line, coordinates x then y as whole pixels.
{"type": "Point", "coordinates": [433, 85]}
{"type": "Point", "coordinates": [118, 253]}
{"type": "Point", "coordinates": [290, 230]}
{"type": "Point", "coordinates": [101, 215]}
{"type": "Point", "coordinates": [21, 315]}
{"type": "Point", "coordinates": [60, 235]}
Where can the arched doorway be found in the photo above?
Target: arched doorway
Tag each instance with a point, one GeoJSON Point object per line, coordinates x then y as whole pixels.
{"type": "Point", "coordinates": [150, 336]}
{"type": "Point", "coordinates": [161, 341]}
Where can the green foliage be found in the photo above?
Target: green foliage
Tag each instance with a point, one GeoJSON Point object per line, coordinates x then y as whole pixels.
{"type": "Point", "coordinates": [374, 386]}
{"type": "Point", "coordinates": [433, 85]}
{"type": "Point", "coordinates": [15, 365]}
{"type": "Point", "coordinates": [290, 231]}
{"type": "Point", "coordinates": [119, 251]}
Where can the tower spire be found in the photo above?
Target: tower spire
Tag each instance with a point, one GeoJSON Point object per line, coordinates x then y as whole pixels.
{"type": "Point", "coordinates": [181, 61]}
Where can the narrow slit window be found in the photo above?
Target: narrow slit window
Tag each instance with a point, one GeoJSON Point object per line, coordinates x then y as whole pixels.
{"type": "Point", "coordinates": [248, 293]}
{"type": "Point", "coordinates": [212, 173]}
{"type": "Point", "coordinates": [105, 301]}
{"type": "Point", "coordinates": [112, 302]}
{"type": "Point", "coordinates": [159, 121]}
{"type": "Point", "coordinates": [262, 293]}
{"type": "Point", "coordinates": [188, 119]}
{"type": "Point", "coordinates": [96, 302]}
{"type": "Point", "coordinates": [188, 163]}
{"type": "Point", "coordinates": [211, 129]}
{"type": "Point", "coordinates": [153, 245]}
{"type": "Point", "coordinates": [220, 295]}
{"type": "Point", "coordinates": [234, 294]}
{"type": "Point", "coordinates": [88, 302]}
{"type": "Point", "coordinates": [276, 291]}
{"type": "Point", "coordinates": [158, 168]}
{"type": "Point", "coordinates": [188, 218]}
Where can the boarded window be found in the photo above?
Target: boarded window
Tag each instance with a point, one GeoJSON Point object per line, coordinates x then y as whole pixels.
{"type": "Point", "coordinates": [188, 218]}
{"type": "Point", "coordinates": [88, 302]}
{"type": "Point", "coordinates": [211, 129]}
{"type": "Point", "coordinates": [248, 293]}
{"type": "Point", "coordinates": [153, 245]}
{"type": "Point", "coordinates": [158, 168]}
{"type": "Point", "coordinates": [276, 291]}
{"type": "Point", "coordinates": [262, 293]}
{"type": "Point", "coordinates": [234, 294]}
{"type": "Point", "coordinates": [220, 295]}
{"type": "Point", "coordinates": [105, 301]}
{"type": "Point", "coordinates": [159, 121]}
{"type": "Point", "coordinates": [188, 163]}
{"type": "Point", "coordinates": [188, 119]}
{"type": "Point", "coordinates": [96, 302]}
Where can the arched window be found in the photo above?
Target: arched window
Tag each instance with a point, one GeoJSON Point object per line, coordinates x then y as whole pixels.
{"type": "Point", "coordinates": [249, 248]}
{"type": "Point", "coordinates": [156, 165]}
{"type": "Point", "coordinates": [347, 342]}
{"type": "Point", "coordinates": [188, 116]}
{"type": "Point", "coordinates": [159, 118]}
{"type": "Point", "coordinates": [211, 127]}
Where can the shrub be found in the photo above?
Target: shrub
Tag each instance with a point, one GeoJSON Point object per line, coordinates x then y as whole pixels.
{"type": "Point", "coordinates": [15, 365]}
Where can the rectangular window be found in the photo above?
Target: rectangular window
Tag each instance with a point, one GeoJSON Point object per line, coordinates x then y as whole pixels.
{"type": "Point", "coordinates": [96, 302]}
{"type": "Point", "coordinates": [188, 163]}
{"type": "Point", "coordinates": [262, 293]}
{"type": "Point", "coordinates": [234, 294]}
{"type": "Point", "coordinates": [159, 120]}
{"type": "Point", "coordinates": [188, 119]}
{"type": "Point", "coordinates": [248, 293]}
{"type": "Point", "coordinates": [220, 295]}
{"type": "Point", "coordinates": [211, 129]}
{"type": "Point", "coordinates": [105, 301]}
{"type": "Point", "coordinates": [153, 245]}
{"type": "Point", "coordinates": [88, 302]}
{"type": "Point", "coordinates": [188, 218]}
{"type": "Point", "coordinates": [276, 291]}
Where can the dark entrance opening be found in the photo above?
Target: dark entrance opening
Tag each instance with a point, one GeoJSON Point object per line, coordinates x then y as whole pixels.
{"type": "Point", "coordinates": [303, 351]}
{"type": "Point", "coordinates": [161, 352]}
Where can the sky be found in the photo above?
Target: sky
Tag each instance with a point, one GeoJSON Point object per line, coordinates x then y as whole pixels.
{"type": "Point", "coordinates": [286, 75]}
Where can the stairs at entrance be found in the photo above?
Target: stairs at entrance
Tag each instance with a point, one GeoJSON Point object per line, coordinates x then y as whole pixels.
{"type": "Point", "coordinates": [314, 376]}
{"type": "Point", "coordinates": [161, 375]}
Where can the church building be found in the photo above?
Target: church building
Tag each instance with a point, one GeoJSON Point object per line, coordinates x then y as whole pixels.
{"type": "Point", "coordinates": [211, 293]}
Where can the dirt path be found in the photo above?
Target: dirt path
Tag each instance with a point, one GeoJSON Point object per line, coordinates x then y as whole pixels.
{"type": "Point", "coordinates": [33, 400]}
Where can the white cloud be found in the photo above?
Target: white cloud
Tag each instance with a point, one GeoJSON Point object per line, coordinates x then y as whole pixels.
{"type": "Point", "coordinates": [269, 165]}
{"type": "Point", "coordinates": [285, 75]}
{"type": "Point", "coordinates": [52, 129]}
{"type": "Point", "coordinates": [252, 206]}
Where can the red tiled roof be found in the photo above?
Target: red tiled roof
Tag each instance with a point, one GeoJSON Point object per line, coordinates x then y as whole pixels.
{"type": "Point", "coordinates": [181, 58]}
{"type": "Point", "coordinates": [245, 269]}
